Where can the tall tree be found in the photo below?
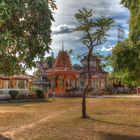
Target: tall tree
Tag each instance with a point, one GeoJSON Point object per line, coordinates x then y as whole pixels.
{"type": "Point", "coordinates": [94, 34]}
{"type": "Point", "coordinates": [126, 55]}
{"type": "Point", "coordinates": [134, 7]}
{"type": "Point", "coordinates": [25, 33]}
{"type": "Point", "coordinates": [124, 63]}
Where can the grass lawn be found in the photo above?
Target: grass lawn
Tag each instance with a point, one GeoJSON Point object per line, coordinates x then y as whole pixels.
{"type": "Point", "coordinates": [110, 119]}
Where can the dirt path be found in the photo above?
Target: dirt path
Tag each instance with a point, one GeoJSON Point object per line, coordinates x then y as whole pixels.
{"type": "Point", "coordinates": [11, 133]}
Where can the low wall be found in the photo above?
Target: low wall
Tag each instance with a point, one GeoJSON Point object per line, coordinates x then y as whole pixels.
{"type": "Point", "coordinates": [4, 93]}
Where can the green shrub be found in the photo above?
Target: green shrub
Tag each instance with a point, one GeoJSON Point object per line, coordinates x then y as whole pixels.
{"type": "Point", "coordinates": [40, 93]}
{"type": "Point", "coordinates": [13, 94]}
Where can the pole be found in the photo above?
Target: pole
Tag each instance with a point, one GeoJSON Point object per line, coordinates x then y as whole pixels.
{"type": "Point", "coordinates": [53, 92]}
{"type": "Point", "coordinates": [41, 68]}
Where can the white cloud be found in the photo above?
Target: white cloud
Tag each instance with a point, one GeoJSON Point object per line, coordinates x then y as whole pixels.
{"type": "Point", "coordinates": [106, 48]}
{"type": "Point", "coordinates": [63, 28]}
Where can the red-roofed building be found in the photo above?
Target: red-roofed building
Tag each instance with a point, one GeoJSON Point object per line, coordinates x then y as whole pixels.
{"type": "Point", "coordinates": [65, 78]}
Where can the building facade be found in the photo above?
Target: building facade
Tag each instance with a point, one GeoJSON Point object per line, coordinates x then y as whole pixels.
{"type": "Point", "coordinates": [98, 75]}
{"type": "Point", "coordinates": [22, 83]}
{"type": "Point", "coordinates": [62, 77]}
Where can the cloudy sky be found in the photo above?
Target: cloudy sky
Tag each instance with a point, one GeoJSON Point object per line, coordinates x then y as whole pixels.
{"type": "Point", "coordinates": [65, 23]}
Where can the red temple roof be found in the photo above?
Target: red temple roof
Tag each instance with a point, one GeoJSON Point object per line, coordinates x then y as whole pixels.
{"type": "Point", "coordinates": [62, 60]}
{"type": "Point", "coordinates": [62, 65]}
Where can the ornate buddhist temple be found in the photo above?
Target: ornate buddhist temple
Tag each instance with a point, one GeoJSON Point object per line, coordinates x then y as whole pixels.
{"type": "Point", "coordinates": [99, 76]}
{"type": "Point", "coordinates": [62, 76]}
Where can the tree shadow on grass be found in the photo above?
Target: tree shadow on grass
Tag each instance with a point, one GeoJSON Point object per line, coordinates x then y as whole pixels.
{"type": "Point", "coordinates": [20, 102]}
{"type": "Point", "coordinates": [112, 123]}
{"type": "Point", "coordinates": [4, 138]}
{"type": "Point", "coordinates": [112, 136]}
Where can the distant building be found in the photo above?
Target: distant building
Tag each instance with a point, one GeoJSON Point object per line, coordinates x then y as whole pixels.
{"type": "Point", "coordinates": [98, 75]}
{"type": "Point", "coordinates": [41, 80]}
{"type": "Point", "coordinates": [22, 83]}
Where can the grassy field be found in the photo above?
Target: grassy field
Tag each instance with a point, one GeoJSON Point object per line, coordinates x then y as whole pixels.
{"type": "Point", "coordinates": [110, 119]}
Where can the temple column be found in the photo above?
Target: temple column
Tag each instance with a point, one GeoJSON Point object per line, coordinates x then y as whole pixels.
{"type": "Point", "coordinates": [25, 84]}
{"type": "Point", "coordinates": [78, 83]}
{"type": "Point", "coordinates": [69, 83]}
{"type": "Point", "coordinates": [17, 83]}
{"type": "Point", "coordinates": [100, 84]}
{"type": "Point", "coordinates": [65, 78]}
{"type": "Point", "coordinates": [51, 82]}
{"type": "Point", "coordinates": [75, 86]}
{"type": "Point", "coordinates": [91, 82]}
{"type": "Point", "coordinates": [75, 83]}
{"type": "Point", "coordinates": [106, 82]}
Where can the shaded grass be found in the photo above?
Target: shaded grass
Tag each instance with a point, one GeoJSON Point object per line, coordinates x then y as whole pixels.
{"type": "Point", "coordinates": [110, 119]}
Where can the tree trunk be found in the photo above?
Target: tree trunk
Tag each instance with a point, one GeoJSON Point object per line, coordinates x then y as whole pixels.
{"type": "Point", "coordinates": [84, 110]}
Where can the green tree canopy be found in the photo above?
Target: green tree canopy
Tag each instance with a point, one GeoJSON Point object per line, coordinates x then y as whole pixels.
{"type": "Point", "coordinates": [124, 64]}
{"type": "Point", "coordinates": [25, 27]}
{"type": "Point", "coordinates": [49, 60]}
{"type": "Point", "coordinates": [125, 58]}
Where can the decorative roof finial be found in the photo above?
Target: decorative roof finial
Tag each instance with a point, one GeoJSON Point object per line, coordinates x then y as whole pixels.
{"type": "Point", "coordinates": [63, 46]}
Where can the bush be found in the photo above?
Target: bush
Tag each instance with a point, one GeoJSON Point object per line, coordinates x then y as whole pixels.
{"type": "Point", "coordinates": [40, 93]}
{"type": "Point", "coordinates": [13, 94]}
{"type": "Point", "coordinates": [108, 88]}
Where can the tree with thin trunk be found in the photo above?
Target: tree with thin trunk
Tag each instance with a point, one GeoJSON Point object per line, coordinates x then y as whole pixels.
{"type": "Point", "coordinates": [94, 33]}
